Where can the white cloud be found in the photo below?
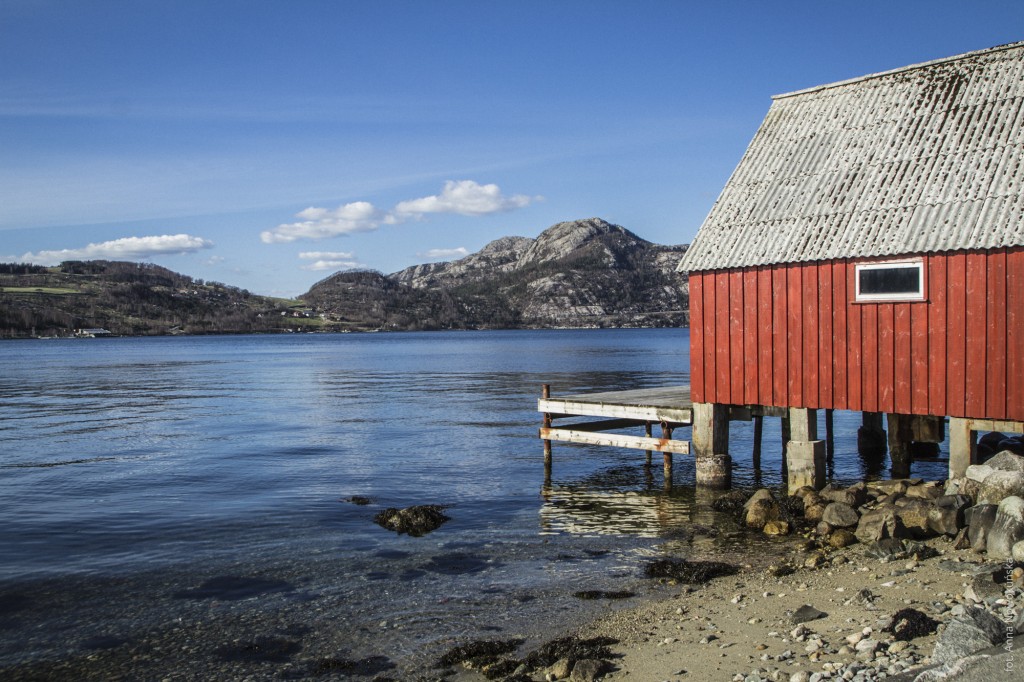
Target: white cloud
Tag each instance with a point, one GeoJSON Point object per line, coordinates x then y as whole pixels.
{"type": "Point", "coordinates": [464, 197]}
{"type": "Point", "coordinates": [435, 254]}
{"type": "Point", "coordinates": [126, 248]}
{"type": "Point", "coordinates": [321, 223]}
{"type": "Point", "coordinates": [330, 260]}
{"type": "Point", "coordinates": [328, 255]}
{"type": "Point", "coordinates": [214, 260]}
{"type": "Point", "coordinates": [333, 265]}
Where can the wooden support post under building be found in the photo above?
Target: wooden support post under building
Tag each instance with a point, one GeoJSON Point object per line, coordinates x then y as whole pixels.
{"type": "Point", "coordinates": [899, 444]}
{"type": "Point", "coordinates": [666, 433]}
{"type": "Point", "coordinates": [545, 393]}
{"type": "Point", "coordinates": [647, 433]}
{"type": "Point", "coordinates": [711, 445]}
{"type": "Point", "coordinates": [758, 431]}
{"type": "Point", "coordinates": [805, 454]}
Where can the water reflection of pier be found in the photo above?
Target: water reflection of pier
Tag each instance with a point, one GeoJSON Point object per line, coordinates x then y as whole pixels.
{"type": "Point", "coordinates": [585, 511]}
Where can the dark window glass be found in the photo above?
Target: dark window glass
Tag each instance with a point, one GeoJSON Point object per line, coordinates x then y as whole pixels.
{"type": "Point", "coordinates": [889, 281]}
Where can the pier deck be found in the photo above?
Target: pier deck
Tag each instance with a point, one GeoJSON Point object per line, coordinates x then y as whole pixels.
{"type": "Point", "coordinates": [670, 407]}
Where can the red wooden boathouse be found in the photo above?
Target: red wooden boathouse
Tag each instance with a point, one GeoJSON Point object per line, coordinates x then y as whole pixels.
{"type": "Point", "coordinates": [868, 254]}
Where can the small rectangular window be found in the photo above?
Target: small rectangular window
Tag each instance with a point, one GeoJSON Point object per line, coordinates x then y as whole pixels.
{"type": "Point", "coordinates": [890, 281]}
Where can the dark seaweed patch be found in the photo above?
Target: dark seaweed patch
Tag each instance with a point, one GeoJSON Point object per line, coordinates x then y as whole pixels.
{"type": "Point", "coordinates": [455, 564]}
{"type": "Point", "coordinates": [364, 667]}
{"type": "Point", "coordinates": [570, 647]}
{"type": "Point", "coordinates": [689, 572]}
{"type": "Point", "coordinates": [601, 594]}
{"type": "Point", "coordinates": [482, 652]}
{"type": "Point", "coordinates": [908, 624]}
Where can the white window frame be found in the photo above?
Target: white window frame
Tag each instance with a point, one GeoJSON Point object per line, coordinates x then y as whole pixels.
{"type": "Point", "coordinates": [888, 298]}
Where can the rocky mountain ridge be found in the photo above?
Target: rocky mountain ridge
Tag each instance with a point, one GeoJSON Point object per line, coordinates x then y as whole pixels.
{"type": "Point", "coordinates": [581, 273]}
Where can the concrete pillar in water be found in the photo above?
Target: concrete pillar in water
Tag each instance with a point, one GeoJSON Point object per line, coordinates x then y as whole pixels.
{"type": "Point", "coordinates": [805, 454]}
{"type": "Point", "coordinates": [710, 440]}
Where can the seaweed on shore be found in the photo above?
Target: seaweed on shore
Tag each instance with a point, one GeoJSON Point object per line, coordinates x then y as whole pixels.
{"type": "Point", "coordinates": [602, 594]}
{"type": "Point", "coordinates": [689, 572]}
{"type": "Point", "coordinates": [572, 648]}
{"type": "Point", "coordinates": [480, 652]}
{"type": "Point", "coordinates": [908, 624]}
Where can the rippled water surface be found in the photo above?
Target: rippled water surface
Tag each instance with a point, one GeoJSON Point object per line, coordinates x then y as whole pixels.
{"type": "Point", "coordinates": [154, 485]}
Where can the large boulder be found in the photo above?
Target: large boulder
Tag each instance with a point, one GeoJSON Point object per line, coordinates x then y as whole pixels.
{"type": "Point", "coordinates": [840, 515]}
{"type": "Point", "coordinates": [761, 508]}
{"type": "Point", "coordinates": [946, 517]}
{"type": "Point", "coordinates": [978, 472]}
{"type": "Point", "coordinates": [973, 631]}
{"type": "Point", "coordinates": [1007, 530]}
{"type": "Point", "coordinates": [979, 520]}
{"type": "Point", "coordinates": [853, 496]}
{"type": "Point", "coordinates": [927, 491]}
{"type": "Point", "coordinates": [914, 515]}
{"type": "Point", "coordinates": [880, 524]}
{"type": "Point", "coordinates": [1006, 461]}
{"type": "Point", "coordinates": [999, 485]}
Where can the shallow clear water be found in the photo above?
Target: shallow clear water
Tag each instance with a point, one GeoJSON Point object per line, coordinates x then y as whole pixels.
{"type": "Point", "coordinates": [134, 470]}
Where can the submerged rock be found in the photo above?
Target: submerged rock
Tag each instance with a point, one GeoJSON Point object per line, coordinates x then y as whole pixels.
{"type": "Point", "coordinates": [416, 521]}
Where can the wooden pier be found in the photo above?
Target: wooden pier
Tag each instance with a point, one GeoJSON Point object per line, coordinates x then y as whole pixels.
{"type": "Point", "coordinates": [668, 407]}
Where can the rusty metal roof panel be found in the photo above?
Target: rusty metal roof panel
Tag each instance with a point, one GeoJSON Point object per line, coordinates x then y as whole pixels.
{"type": "Point", "coordinates": [921, 159]}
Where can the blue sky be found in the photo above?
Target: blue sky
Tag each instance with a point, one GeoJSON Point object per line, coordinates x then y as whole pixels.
{"type": "Point", "coordinates": [269, 144]}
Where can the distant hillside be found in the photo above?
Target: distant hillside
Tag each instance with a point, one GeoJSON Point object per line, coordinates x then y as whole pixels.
{"type": "Point", "coordinates": [130, 299]}
{"type": "Point", "coordinates": [584, 273]}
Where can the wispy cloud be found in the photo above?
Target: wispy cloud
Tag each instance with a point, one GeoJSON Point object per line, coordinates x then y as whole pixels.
{"type": "Point", "coordinates": [462, 197]}
{"type": "Point", "coordinates": [437, 254]}
{"type": "Point", "coordinates": [126, 248]}
{"type": "Point", "coordinates": [330, 260]}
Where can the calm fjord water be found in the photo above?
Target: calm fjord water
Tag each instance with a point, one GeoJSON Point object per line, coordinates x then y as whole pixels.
{"type": "Point", "coordinates": [136, 473]}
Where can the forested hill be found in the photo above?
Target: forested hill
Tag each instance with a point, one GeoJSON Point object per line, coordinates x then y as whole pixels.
{"type": "Point", "coordinates": [585, 273]}
{"type": "Point", "coordinates": [133, 299]}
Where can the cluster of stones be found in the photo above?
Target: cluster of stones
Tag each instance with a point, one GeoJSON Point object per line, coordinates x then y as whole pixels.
{"type": "Point", "coordinates": [985, 508]}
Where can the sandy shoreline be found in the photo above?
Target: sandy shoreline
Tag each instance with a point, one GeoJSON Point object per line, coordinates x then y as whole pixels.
{"type": "Point", "coordinates": [741, 627]}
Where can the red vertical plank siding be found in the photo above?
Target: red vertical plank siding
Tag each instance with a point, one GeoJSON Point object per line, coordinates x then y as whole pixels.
{"type": "Point", "coordinates": [697, 338]}
{"type": "Point", "coordinates": [780, 337]}
{"type": "Point", "coordinates": [886, 341]}
{"type": "Point", "coordinates": [839, 341]}
{"type": "Point", "coordinates": [902, 367]}
{"type": "Point", "coordinates": [855, 344]}
{"type": "Point", "coordinates": [809, 337]}
{"type": "Point", "coordinates": [919, 354]}
{"type": "Point", "coordinates": [722, 338]}
{"type": "Point", "coordinates": [937, 359]}
{"type": "Point", "coordinates": [765, 300]}
{"type": "Point", "coordinates": [869, 357]}
{"type": "Point", "coordinates": [750, 327]}
{"type": "Point", "coordinates": [956, 337]}
{"type": "Point", "coordinates": [1015, 334]}
{"type": "Point", "coordinates": [995, 367]}
{"type": "Point", "coordinates": [794, 292]}
{"type": "Point", "coordinates": [736, 337]}
{"type": "Point", "coordinates": [974, 391]}
{"type": "Point", "coordinates": [710, 346]}
{"type": "Point", "coordinates": [826, 381]}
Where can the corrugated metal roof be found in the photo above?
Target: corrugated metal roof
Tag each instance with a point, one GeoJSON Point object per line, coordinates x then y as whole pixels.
{"type": "Point", "coordinates": [921, 159]}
